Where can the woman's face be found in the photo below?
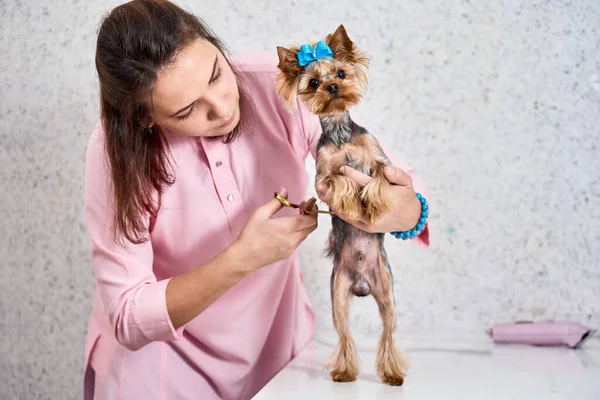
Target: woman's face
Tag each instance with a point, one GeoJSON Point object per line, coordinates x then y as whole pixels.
{"type": "Point", "coordinates": [197, 95]}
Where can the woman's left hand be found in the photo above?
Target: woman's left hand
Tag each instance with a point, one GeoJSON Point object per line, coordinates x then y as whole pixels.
{"type": "Point", "coordinates": [406, 207]}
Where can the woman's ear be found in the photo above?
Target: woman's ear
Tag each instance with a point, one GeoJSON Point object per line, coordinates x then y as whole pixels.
{"type": "Point", "coordinates": [145, 122]}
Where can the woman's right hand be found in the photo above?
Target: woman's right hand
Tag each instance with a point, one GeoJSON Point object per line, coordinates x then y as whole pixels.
{"type": "Point", "coordinates": [265, 240]}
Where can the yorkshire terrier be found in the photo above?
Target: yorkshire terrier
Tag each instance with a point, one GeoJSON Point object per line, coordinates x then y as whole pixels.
{"type": "Point", "coordinates": [330, 78]}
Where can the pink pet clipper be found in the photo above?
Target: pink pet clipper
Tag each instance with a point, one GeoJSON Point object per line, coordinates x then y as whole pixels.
{"type": "Point", "coordinates": [545, 333]}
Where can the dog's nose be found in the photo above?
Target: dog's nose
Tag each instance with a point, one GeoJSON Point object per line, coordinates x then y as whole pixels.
{"type": "Point", "coordinates": [333, 88]}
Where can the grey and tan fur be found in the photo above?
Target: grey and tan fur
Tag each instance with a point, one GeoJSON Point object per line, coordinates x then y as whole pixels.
{"type": "Point", "coordinates": [330, 87]}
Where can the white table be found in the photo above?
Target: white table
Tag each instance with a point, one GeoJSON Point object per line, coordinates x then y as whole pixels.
{"type": "Point", "coordinates": [448, 368]}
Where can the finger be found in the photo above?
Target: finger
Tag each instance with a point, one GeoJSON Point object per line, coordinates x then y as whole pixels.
{"type": "Point", "coordinates": [289, 225]}
{"type": "Point", "coordinates": [302, 209]}
{"type": "Point", "coordinates": [312, 206]}
{"type": "Point", "coordinates": [363, 226]}
{"type": "Point", "coordinates": [308, 207]}
{"type": "Point", "coordinates": [308, 212]}
{"type": "Point", "coordinates": [299, 236]}
{"type": "Point", "coordinates": [314, 212]}
{"type": "Point", "coordinates": [357, 176]}
{"type": "Point", "coordinates": [322, 194]}
{"type": "Point", "coordinates": [397, 176]}
{"type": "Point", "coordinates": [272, 206]}
{"type": "Point", "coordinates": [304, 221]}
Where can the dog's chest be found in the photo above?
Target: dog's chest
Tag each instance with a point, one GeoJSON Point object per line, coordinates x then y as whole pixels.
{"type": "Point", "coordinates": [344, 139]}
{"type": "Point", "coordinates": [355, 153]}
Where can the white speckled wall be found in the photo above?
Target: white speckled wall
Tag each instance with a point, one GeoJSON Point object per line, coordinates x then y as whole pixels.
{"type": "Point", "coordinates": [497, 106]}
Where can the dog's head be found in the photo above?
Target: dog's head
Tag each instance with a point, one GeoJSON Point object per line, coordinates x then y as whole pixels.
{"type": "Point", "coordinates": [329, 76]}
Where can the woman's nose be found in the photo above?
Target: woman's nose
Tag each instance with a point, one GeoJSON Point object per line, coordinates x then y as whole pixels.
{"type": "Point", "coordinates": [218, 110]}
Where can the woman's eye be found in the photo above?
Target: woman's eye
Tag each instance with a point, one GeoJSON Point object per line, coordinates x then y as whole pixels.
{"type": "Point", "coordinates": [341, 74]}
{"type": "Point", "coordinates": [186, 116]}
{"type": "Point", "coordinates": [313, 83]}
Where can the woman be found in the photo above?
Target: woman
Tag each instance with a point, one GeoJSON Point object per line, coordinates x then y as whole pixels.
{"type": "Point", "coordinates": [198, 290]}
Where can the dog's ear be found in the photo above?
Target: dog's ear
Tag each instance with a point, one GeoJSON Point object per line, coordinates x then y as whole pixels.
{"type": "Point", "coordinates": [340, 43]}
{"type": "Point", "coordinates": [344, 49]}
{"type": "Point", "coordinates": [286, 82]}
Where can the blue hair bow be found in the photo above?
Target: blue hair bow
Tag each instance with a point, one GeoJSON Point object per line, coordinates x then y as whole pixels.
{"type": "Point", "coordinates": [307, 54]}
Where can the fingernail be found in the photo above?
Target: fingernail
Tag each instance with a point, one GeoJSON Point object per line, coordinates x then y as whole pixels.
{"type": "Point", "coordinates": [342, 169]}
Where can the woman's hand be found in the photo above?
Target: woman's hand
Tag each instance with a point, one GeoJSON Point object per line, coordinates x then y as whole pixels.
{"type": "Point", "coordinates": [406, 208]}
{"type": "Point", "coordinates": [265, 239]}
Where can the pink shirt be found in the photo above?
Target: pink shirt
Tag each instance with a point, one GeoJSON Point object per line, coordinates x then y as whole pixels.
{"type": "Point", "coordinates": [239, 343]}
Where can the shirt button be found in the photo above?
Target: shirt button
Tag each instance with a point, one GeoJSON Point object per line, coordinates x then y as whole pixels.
{"type": "Point", "coordinates": [230, 197]}
{"type": "Point", "coordinates": [218, 163]}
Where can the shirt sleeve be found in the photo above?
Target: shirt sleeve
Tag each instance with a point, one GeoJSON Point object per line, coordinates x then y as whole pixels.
{"type": "Point", "coordinates": [132, 298]}
{"type": "Point", "coordinates": [312, 130]}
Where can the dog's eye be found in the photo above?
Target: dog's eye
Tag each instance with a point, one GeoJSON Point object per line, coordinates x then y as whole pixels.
{"type": "Point", "coordinates": [341, 74]}
{"type": "Point", "coordinates": [314, 83]}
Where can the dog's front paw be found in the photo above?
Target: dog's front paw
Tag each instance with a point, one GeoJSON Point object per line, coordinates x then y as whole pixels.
{"type": "Point", "coordinates": [377, 196]}
{"type": "Point", "coordinates": [343, 196]}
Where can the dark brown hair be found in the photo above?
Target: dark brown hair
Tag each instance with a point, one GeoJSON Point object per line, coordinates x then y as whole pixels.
{"type": "Point", "coordinates": [135, 41]}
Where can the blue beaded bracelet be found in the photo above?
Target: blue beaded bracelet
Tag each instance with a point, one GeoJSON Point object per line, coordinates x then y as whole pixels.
{"type": "Point", "coordinates": [422, 221]}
